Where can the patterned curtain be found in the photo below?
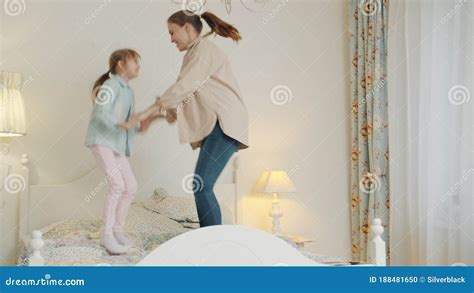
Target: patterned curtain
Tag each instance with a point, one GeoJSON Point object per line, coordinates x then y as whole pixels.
{"type": "Point", "coordinates": [370, 197]}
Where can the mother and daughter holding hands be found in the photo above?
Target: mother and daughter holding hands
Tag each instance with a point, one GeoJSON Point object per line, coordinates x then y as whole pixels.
{"type": "Point", "coordinates": [205, 101]}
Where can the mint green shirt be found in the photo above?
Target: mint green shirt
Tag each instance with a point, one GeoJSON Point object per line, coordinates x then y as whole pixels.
{"type": "Point", "coordinates": [115, 103]}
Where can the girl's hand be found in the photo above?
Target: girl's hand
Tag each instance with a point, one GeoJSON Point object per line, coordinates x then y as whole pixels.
{"type": "Point", "coordinates": [132, 122]}
{"type": "Point", "coordinates": [144, 124]}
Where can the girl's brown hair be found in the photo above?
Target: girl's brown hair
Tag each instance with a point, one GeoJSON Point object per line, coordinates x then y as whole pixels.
{"type": "Point", "coordinates": [118, 55]}
{"type": "Point", "coordinates": [217, 25]}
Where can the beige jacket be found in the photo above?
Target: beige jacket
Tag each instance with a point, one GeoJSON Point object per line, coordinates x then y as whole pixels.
{"type": "Point", "coordinates": [206, 92]}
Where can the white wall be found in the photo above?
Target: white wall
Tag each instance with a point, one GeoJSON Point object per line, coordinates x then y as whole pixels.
{"type": "Point", "coordinates": [63, 47]}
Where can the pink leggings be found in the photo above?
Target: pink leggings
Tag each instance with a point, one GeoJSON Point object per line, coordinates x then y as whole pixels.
{"type": "Point", "coordinates": [122, 187]}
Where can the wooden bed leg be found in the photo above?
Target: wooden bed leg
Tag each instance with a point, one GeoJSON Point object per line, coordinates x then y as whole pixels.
{"type": "Point", "coordinates": [377, 254]}
{"type": "Point", "coordinates": [36, 244]}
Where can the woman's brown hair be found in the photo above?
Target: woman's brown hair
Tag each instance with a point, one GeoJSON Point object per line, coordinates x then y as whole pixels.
{"type": "Point", "coordinates": [217, 25]}
{"type": "Point", "coordinates": [118, 55]}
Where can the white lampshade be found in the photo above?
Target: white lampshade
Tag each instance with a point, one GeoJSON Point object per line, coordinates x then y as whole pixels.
{"type": "Point", "coordinates": [12, 108]}
{"type": "Point", "coordinates": [276, 181]}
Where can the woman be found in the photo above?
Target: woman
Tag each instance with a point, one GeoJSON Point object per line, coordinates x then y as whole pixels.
{"type": "Point", "coordinates": [206, 103]}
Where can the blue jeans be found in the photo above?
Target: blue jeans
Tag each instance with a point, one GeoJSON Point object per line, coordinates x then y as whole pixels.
{"type": "Point", "coordinates": [216, 150]}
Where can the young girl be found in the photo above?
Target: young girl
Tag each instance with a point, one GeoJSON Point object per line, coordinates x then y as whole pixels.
{"type": "Point", "coordinates": [113, 102]}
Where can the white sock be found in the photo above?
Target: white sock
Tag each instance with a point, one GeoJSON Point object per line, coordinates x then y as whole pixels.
{"type": "Point", "coordinates": [112, 246]}
{"type": "Point", "coordinates": [122, 238]}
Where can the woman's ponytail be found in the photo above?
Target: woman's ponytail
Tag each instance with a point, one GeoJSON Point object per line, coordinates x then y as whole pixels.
{"type": "Point", "coordinates": [217, 25]}
{"type": "Point", "coordinates": [221, 27]}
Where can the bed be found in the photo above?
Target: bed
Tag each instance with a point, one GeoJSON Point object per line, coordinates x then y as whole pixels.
{"type": "Point", "coordinates": [59, 230]}
{"type": "Point", "coordinates": [76, 242]}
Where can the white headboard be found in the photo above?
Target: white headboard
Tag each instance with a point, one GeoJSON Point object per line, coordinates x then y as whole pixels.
{"type": "Point", "coordinates": [41, 205]}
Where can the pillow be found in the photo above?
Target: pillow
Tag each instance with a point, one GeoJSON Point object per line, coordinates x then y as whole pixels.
{"type": "Point", "coordinates": [180, 208]}
{"type": "Point", "coordinates": [190, 225]}
{"type": "Point", "coordinates": [159, 194]}
{"type": "Point", "coordinates": [141, 221]}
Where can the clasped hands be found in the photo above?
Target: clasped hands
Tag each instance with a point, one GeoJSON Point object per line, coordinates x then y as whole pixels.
{"type": "Point", "coordinates": [145, 118]}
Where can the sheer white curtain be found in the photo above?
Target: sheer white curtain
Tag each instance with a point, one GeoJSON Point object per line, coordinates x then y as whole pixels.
{"type": "Point", "coordinates": [431, 109]}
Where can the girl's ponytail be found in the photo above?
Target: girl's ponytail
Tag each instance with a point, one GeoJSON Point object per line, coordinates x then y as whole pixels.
{"type": "Point", "coordinates": [221, 27]}
{"type": "Point", "coordinates": [98, 83]}
{"type": "Point", "coordinates": [118, 55]}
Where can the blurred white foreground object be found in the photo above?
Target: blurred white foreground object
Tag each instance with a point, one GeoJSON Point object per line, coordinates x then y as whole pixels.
{"type": "Point", "coordinates": [226, 245]}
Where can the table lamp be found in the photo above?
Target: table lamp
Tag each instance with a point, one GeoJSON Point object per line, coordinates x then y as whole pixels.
{"type": "Point", "coordinates": [275, 182]}
{"type": "Point", "coordinates": [12, 120]}
{"type": "Point", "coordinates": [12, 108]}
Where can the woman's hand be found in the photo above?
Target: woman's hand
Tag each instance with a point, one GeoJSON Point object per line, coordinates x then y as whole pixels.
{"type": "Point", "coordinates": [171, 116]}
{"type": "Point", "coordinates": [170, 113]}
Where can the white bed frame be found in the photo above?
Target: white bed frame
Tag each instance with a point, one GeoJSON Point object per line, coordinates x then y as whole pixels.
{"type": "Point", "coordinates": [41, 205]}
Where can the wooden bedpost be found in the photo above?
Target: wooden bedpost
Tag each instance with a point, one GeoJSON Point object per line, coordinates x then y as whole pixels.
{"type": "Point", "coordinates": [36, 244]}
{"type": "Point", "coordinates": [377, 253]}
